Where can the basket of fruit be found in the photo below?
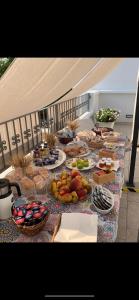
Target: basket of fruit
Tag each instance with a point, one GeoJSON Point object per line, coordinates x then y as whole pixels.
{"type": "Point", "coordinates": [31, 217]}
{"type": "Point", "coordinates": [70, 187]}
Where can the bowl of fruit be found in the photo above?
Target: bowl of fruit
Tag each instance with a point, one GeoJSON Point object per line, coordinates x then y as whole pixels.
{"type": "Point", "coordinates": [80, 164]}
{"type": "Point", "coordinates": [70, 187]}
{"type": "Point", "coordinates": [30, 217]}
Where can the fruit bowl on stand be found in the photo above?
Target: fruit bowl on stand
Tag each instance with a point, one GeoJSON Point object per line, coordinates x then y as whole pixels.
{"type": "Point", "coordinates": [70, 187]}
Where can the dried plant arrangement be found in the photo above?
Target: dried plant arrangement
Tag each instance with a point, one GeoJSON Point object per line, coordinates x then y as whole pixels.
{"type": "Point", "coordinates": [72, 125]}
{"type": "Point", "coordinates": [51, 140]}
{"type": "Point", "coordinates": [21, 161]}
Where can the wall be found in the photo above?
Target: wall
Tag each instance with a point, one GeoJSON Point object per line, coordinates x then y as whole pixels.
{"type": "Point", "coordinates": [123, 101]}
{"type": "Point", "coordinates": [118, 89]}
{"type": "Point", "coordinates": [123, 78]}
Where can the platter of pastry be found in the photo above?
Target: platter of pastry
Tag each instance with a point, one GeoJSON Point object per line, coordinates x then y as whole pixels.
{"type": "Point", "coordinates": [77, 149]}
{"type": "Point", "coordinates": [86, 135]}
{"type": "Point", "coordinates": [80, 164]}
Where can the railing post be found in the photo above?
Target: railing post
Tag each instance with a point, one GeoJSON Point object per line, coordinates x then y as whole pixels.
{"type": "Point", "coordinates": [56, 114]}
{"type": "Point", "coordinates": [88, 100]}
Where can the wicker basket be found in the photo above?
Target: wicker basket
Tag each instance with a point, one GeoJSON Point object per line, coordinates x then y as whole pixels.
{"type": "Point", "coordinates": [34, 229]}
{"type": "Point", "coordinates": [64, 140]}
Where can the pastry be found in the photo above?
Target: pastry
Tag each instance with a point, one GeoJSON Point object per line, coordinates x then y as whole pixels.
{"type": "Point", "coordinates": [39, 182]}
{"type": "Point", "coordinates": [27, 183]}
{"type": "Point", "coordinates": [43, 172]}
{"type": "Point", "coordinates": [31, 171]}
{"type": "Point", "coordinates": [18, 173]}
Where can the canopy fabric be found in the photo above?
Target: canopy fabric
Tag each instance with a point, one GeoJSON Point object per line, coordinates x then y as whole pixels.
{"type": "Point", "coordinates": [100, 70]}
{"type": "Point", "coordinates": [32, 83]}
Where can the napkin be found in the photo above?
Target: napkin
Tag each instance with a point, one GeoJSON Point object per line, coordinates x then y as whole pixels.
{"type": "Point", "coordinates": [77, 227]}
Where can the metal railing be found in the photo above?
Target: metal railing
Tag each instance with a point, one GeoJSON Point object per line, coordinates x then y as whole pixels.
{"type": "Point", "coordinates": [23, 133]}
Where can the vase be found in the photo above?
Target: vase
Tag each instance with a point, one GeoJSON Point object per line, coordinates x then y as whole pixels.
{"type": "Point", "coordinates": [105, 124]}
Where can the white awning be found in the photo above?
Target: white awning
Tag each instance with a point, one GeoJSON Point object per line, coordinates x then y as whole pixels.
{"type": "Point", "coordinates": [98, 72]}
{"type": "Point", "coordinates": [32, 83]}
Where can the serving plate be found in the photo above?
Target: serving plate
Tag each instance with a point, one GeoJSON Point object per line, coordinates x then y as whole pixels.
{"type": "Point", "coordinates": [70, 161]}
{"type": "Point", "coordinates": [115, 166]}
{"type": "Point", "coordinates": [59, 162]}
{"type": "Point", "coordinates": [81, 144]}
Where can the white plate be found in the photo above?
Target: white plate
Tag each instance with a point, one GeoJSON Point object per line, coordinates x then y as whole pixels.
{"type": "Point", "coordinates": [70, 161]}
{"type": "Point", "coordinates": [59, 162]}
{"type": "Point", "coordinates": [81, 143]}
{"type": "Point", "coordinates": [114, 168]}
{"type": "Point", "coordinates": [102, 211]}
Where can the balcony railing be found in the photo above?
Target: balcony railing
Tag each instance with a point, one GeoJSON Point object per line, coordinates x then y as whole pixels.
{"type": "Point", "coordinates": [23, 133]}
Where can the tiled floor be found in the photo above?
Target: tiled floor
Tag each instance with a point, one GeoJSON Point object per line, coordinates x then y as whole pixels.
{"type": "Point", "coordinates": [129, 208]}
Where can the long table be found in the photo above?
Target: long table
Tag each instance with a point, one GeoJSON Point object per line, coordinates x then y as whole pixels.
{"type": "Point", "coordinates": [107, 224]}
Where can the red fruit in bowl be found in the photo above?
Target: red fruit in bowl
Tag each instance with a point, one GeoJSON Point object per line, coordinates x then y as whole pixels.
{"type": "Point", "coordinates": [82, 194]}
{"type": "Point", "coordinates": [28, 206]}
{"type": "Point", "coordinates": [75, 173]}
{"type": "Point", "coordinates": [19, 221]}
{"type": "Point", "coordinates": [29, 215]}
{"type": "Point", "coordinates": [37, 215]}
{"type": "Point", "coordinates": [34, 205]}
{"type": "Point", "coordinates": [20, 213]}
{"type": "Point", "coordinates": [76, 184]}
{"type": "Point", "coordinates": [42, 209]}
{"type": "Point", "coordinates": [14, 212]}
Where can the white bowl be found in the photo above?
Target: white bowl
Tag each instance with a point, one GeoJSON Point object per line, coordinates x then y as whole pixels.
{"type": "Point", "coordinates": [111, 200]}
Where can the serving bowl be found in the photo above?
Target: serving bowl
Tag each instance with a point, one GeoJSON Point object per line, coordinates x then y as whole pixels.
{"type": "Point", "coordinates": [111, 201]}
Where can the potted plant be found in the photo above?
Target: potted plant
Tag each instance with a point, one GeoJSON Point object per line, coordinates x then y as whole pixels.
{"type": "Point", "coordinates": [106, 117]}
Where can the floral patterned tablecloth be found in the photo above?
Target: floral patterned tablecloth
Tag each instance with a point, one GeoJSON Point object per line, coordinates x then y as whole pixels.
{"type": "Point", "coordinates": [107, 224]}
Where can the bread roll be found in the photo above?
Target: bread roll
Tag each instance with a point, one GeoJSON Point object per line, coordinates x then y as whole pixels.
{"type": "Point", "coordinates": [27, 183]}
{"type": "Point", "coordinates": [39, 182]}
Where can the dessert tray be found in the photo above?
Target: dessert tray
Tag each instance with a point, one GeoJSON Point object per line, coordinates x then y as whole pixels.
{"type": "Point", "coordinates": [80, 164]}
{"type": "Point", "coordinates": [86, 134]}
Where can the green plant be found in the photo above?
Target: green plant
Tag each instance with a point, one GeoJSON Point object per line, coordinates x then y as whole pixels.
{"type": "Point", "coordinates": [107, 115]}
{"type": "Point", "coordinates": [4, 64]}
